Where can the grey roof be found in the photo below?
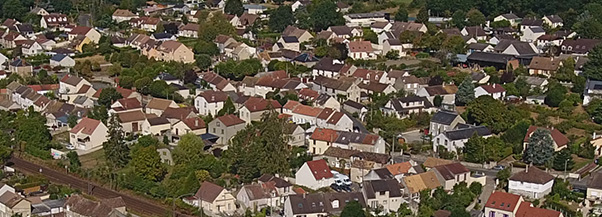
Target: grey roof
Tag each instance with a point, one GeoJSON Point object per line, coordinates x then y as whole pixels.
{"type": "Point", "coordinates": [490, 57]}
{"type": "Point", "coordinates": [290, 39]}
{"type": "Point", "coordinates": [350, 137]}
{"type": "Point", "coordinates": [554, 18]}
{"type": "Point", "coordinates": [466, 133]}
{"type": "Point", "coordinates": [354, 104]}
{"type": "Point", "coordinates": [322, 98]}
{"type": "Point", "coordinates": [166, 77]}
{"type": "Point", "coordinates": [322, 202]}
{"type": "Point", "coordinates": [537, 29]}
{"type": "Point", "coordinates": [532, 80]}
{"type": "Point", "coordinates": [58, 57]}
{"type": "Point", "coordinates": [327, 64]}
{"type": "Point", "coordinates": [371, 188]}
{"type": "Point", "coordinates": [596, 181]}
{"type": "Point", "coordinates": [383, 173]}
{"type": "Point", "coordinates": [444, 117]}
{"type": "Point", "coordinates": [510, 16]}
{"type": "Point", "coordinates": [367, 15]}
{"type": "Point", "coordinates": [531, 22]}
{"type": "Point", "coordinates": [80, 100]}
{"type": "Point", "coordinates": [478, 46]}
{"type": "Point", "coordinates": [254, 6]}
{"type": "Point", "coordinates": [162, 35]}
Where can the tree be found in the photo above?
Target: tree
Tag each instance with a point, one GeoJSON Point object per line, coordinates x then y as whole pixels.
{"type": "Point", "coordinates": [423, 15]}
{"type": "Point", "coordinates": [234, 7]}
{"type": "Point", "coordinates": [204, 47]}
{"type": "Point", "coordinates": [454, 44]}
{"type": "Point", "coordinates": [62, 6]}
{"type": "Point", "coordinates": [503, 176]}
{"type": "Point", "coordinates": [593, 68]}
{"type": "Point", "coordinates": [189, 149]}
{"type": "Point", "coordinates": [116, 151]}
{"type": "Point", "coordinates": [126, 82]}
{"type": "Point", "coordinates": [459, 19]}
{"type": "Point", "coordinates": [476, 188]}
{"type": "Point", "coordinates": [392, 55]}
{"type": "Point", "coordinates": [217, 24]}
{"type": "Point", "coordinates": [401, 15]}
{"type": "Point", "coordinates": [437, 100]}
{"type": "Point", "coordinates": [228, 108]}
{"type": "Point", "coordinates": [516, 134]}
{"type": "Point", "coordinates": [500, 24]}
{"type": "Point", "coordinates": [371, 36]}
{"type": "Point", "coordinates": [72, 120]}
{"type": "Point", "coordinates": [280, 18]}
{"type": "Point", "coordinates": [475, 18]}
{"type": "Point", "coordinates": [474, 149]}
{"type": "Point", "coordinates": [14, 9]}
{"type": "Point", "coordinates": [540, 147]}
{"type": "Point", "coordinates": [587, 150]}
{"type": "Point", "coordinates": [100, 113]}
{"type": "Point", "coordinates": [108, 96]}
{"type": "Point", "coordinates": [353, 209]}
{"type": "Point", "coordinates": [74, 163]}
{"type": "Point", "coordinates": [147, 163]}
{"type": "Point", "coordinates": [203, 61]}
{"type": "Point", "coordinates": [560, 158]}
{"type": "Point", "coordinates": [556, 93]}
{"type": "Point", "coordinates": [465, 92]}
{"type": "Point", "coordinates": [324, 15]}
{"type": "Point", "coordinates": [492, 113]}
{"type": "Point", "coordinates": [32, 133]}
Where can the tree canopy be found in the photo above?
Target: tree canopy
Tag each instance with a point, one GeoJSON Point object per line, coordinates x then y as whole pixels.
{"type": "Point", "coordinates": [280, 18]}
{"type": "Point", "coordinates": [234, 7]}
{"type": "Point", "coordinates": [465, 92]}
{"type": "Point", "coordinates": [540, 147]}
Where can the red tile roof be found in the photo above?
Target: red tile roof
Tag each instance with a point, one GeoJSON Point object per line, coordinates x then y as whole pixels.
{"type": "Point", "coordinates": [80, 30]}
{"type": "Point", "coordinates": [194, 123]}
{"type": "Point", "coordinates": [125, 93]}
{"type": "Point", "coordinates": [323, 134]}
{"type": "Point", "coordinates": [130, 103]}
{"type": "Point", "coordinates": [307, 110]}
{"type": "Point", "coordinates": [86, 126]}
{"type": "Point", "coordinates": [360, 46]}
{"type": "Point", "coordinates": [307, 93]}
{"type": "Point", "coordinates": [557, 136]}
{"type": "Point", "coordinates": [320, 169]}
{"type": "Point", "coordinates": [255, 104]}
{"type": "Point", "coordinates": [526, 210]}
{"type": "Point", "coordinates": [503, 201]}
{"type": "Point", "coordinates": [230, 120]}
{"type": "Point", "coordinates": [291, 104]}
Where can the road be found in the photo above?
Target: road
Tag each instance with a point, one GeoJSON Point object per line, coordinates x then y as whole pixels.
{"type": "Point", "coordinates": [141, 206]}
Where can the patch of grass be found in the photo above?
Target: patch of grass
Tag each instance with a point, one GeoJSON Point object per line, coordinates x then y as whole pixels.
{"type": "Point", "coordinates": [93, 159]}
{"type": "Point", "coordinates": [580, 162]}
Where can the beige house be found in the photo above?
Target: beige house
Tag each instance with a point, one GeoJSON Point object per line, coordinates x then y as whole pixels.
{"type": "Point", "coordinates": [225, 127]}
{"type": "Point", "coordinates": [131, 122]}
{"type": "Point", "coordinates": [125, 105]}
{"type": "Point", "coordinates": [384, 194]}
{"type": "Point", "coordinates": [121, 15]}
{"type": "Point", "coordinates": [594, 188]}
{"type": "Point", "coordinates": [214, 199]}
{"type": "Point", "coordinates": [155, 126]}
{"type": "Point", "coordinates": [414, 184]}
{"type": "Point", "coordinates": [255, 107]}
{"type": "Point", "coordinates": [88, 32]}
{"type": "Point", "coordinates": [170, 51]}
{"type": "Point", "coordinates": [321, 140]}
{"type": "Point", "coordinates": [12, 204]}
{"type": "Point", "coordinates": [301, 34]}
{"type": "Point", "coordinates": [452, 174]}
{"type": "Point", "coordinates": [193, 125]}
{"type": "Point", "coordinates": [79, 206]}
{"type": "Point", "coordinates": [157, 106]}
{"type": "Point", "coordinates": [88, 134]}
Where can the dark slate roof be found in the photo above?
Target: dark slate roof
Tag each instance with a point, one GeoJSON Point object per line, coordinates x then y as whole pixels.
{"type": "Point", "coordinates": [162, 35]}
{"type": "Point", "coordinates": [322, 202]}
{"type": "Point", "coordinates": [58, 57]}
{"type": "Point", "coordinates": [532, 175]}
{"type": "Point", "coordinates": [466, 133]}
{"type": "Point", "coordinates": [19, 63]}
{"type": "Point", "coordinates": [306, 57]}
{"type": "Point", "coordinates": [383, 173]}
{"type": "Point", "coordinates": [596, 181]}
{"type": "Point", "coordinates": [444, 117]}
{"type": "Point", "coordinates": [326, 64]}
{"type": "Point", "coordinates": [478, 46]}
{"type": "Point", "coordinates": [166, 77]}
{"type": "Point", "coordinates": [374, 187]}
{"type": "Point", "coordinates": [354, 104]}
{"type": "Point", "coordinates": [490, 57]}
{"type": "Point", "coordinates": [290, 39]}
{"type": "Point", "coordinates": [531, 22]}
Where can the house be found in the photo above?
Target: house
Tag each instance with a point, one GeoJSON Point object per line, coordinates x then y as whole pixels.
{"type": "Point", "coordinates": [78, 43]}
{"type": "Point", "coordinates": [534, 82]}
{"type": "Point", "coordinates": [61, 60]}
{"type": "Point", "coordinates": [346, 88]}
{"type": "Point", "coordinates": [479, 47]}
{"type": "Point", "coordinates": [125, 105]}
{"type": "Point", "coordinates": [454, 140]}
{"type": "Point", "coordinates": [531, 183]}
{"type": "Point", "coordinates": [88, 134]}
{"type": "Point", "coordinates": [502, 204]}
{"type": "Point", "coordinates": [443, 121]}
{"type": "Point", "coordinates": [448, 92]}
{"type": "Point", "coordinates": [594, 188]}
{"type": "Point", "coordinates": [283, 187]}
{"type": "Point", "coordinates": [213, 199]}
{"type": "Point", "coordinates": [496, 91]}
{"type": "Point", "coordinates": [54, 21]}
{"type": "Point", "coordinates": [257, 196]}
{"type": "Point", "coordinates": [531, 34]}
{"type": "Point", "coordinates": [302, 35]}
{"type": "Point", "coordinates": [20, 67]}
{"type": "Point", "coordinates": [545, 66]}
{"type": "Point", "coordinates": [404, 106]}
{"type": "Point", "coordinates": [156, 126]}
{"type": "Point", "coordinates": [344, 32]}
{"type": "Point", "coordinates": [553, 21]}
{"type": "Point", "coordinates": [379, 27]}
{"type": "Point", "coordinates": [254, 108]}
{"type": "Point", "coordinates": [383, 194]}
{"type": "Point", "coordinates": [580, 46]}
{"type": "Point", "coordinates": [31, 48]}
{"type": "Point", "coordinates": [170, 51]}
{"type": "Point", "coordinates": [12, 204]}
{"type": "Point", "coordinates": [593, 90]}
{"type": "Point", "coordinates": [287, 42]}
{"type": "Point", "coordinates": [88, 32]}
{"type": "Point", "coordinates": [190, 30]}
{"type": "Point", "coordinates": [314, 174]}
{"type": "Point", "coordinates": [163, 36]}
{"type": "Point", "coordinates": [24, 29]}
{"type": "Point", "coordinates": [485, 59]}
{"type": "Point", "coordinates": [327, 101]}
{"type": "Point", "coordinates": [355, 108]}
{"type": "Point", "coordinates": [376, 88]}
{"type": "Point", "coordinates": [254, 8]}
{"type": "Point", "coordinates": [364, 19]}
{"type": "Point", "coordinates": [296, 134]}
{"type": "Point", "coordinates": [210, 102]}
{"type": "Point", "coordinates": [323, 138]}
{"type": "Point", "coordinates": [157, 106]}
{"type": "Point", "coordinates": [409, 83]}
{"type": "Point", "coordinates": [361, 50]}
{"type": "Point", "coordinates": [510, 17]}
{"type": "Point", "coordinates": [225, 127]}
{"type": "Point", "coordinates": [475, 32]}
{"type": "Point", "coordinates": [327, 67]}
{"type": "Point", "coordinates": [400, 170]}
{"type": "Point", "coordinates": [125, 93]}
{"type": "Point", "coordinates": [168, 78]}
{"type": "Point", "coordinates": [217, 82]}
{"type": "Point", "coordinates": [320, 204]}
{"type": "Point", "coordinates": [560, 140]}
{"type": "Point", "coordinates": [394, 45]}
{"type": "Point", "coordinates": [452, 174]}
{"type": "Point", "coordinates": [131, 122]}
{"type": "Point", "coordinates": [39, 11]}
{"type": "Point", "coordinates": [516, 48]}
{"type": "Point", "coordinates": [414, 184]}
{"type": "Point", "coordinates": [121, 15]}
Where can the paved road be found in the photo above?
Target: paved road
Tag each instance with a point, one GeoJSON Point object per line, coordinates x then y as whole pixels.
{"type": "Point", "coordinates": [138, 205]}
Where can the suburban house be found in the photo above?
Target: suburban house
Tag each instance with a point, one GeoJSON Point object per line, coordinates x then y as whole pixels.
{"type": "Point", "coordinates": [194, 125]}
{"type": "Point", "coordinates": [61, 60]}
{"type": "Point", "coordinates": [155, 126]}
{"type": "Point", "coordinates": [454, 140]}
{"type": "Point", "coordinates": [404, 106]}
{"type": "Point", "coordinates": [443, 121]}
{"type": "Point", "coordinates": [552, 21]}
{"type": "Point", "coordinates": [364, 19]}
{"type": "Point", "coordinates": [255, 107]}
{"type": "Point", "coordinates": [560, 140]}
{"type": "Point", "coordinates": [213, 198]}
{"type": "Point", "coordinates": [594, 188]}
{"type": "Point", "coordinates": [125, 105]}
{"type": "Point", "coordinates": [78, 205]}
{"type": "Point", "coordinates": [54, 21]}
{"type": "Point", "coordinates": [546, 66]}
{"type": "Point", "coordinates": [225, 127]}
{"type": "Point", "coordinates": [157, 106]}
{"type": "Point", "coordinates": [502, 204]}
{"type": "Point", "coordinates": [217, 82]}
{"type": "Point", "coordinates": [88, 32]}
{"type": "Point", "coordinates": [31, 48]}
{"type": "Point", "coordinates": [355, 108]}
{"type": "Point", "coordinates": [189, 30]}
{"type": "Point", "coordinates": [257, 196]}
{"type": "Point", "coordinates": [302, 35]}
{"type": "Point", "coordinates": [593, 90]}
{"type": "Point", "coordinates": [361, 50]}
{"type": "Point", "coordinates": [531, 34]}
{"type": "Point", "coordinates": [580, 46]}
{"type": "Point", "coordinates": [414, 184]}
{"type": "Point", "coordinates": [12, 204]}
{"type": "Point", "coordinates": [344, 32]}
{"type": "Point", "coordinates": [385, 194]}
{"type": "Point", "coordinates": [296, 134]}
{"type": "Point", "coordinates": [496, 91]}
{"type": "Point", "coordinates": [475, 32]}
{"type": "Point", "coordinates": [131, 122]}
{"type": "Point", "coordinates": [314, 174]}
{"type": "Point", "coordinates": [448, 92]}
{"type": "Point", "coordinates": [210, 102]}
{"type": "Point", "coordinates": [121, 15]}
{"type": "Point", "coordinates": [21, 67]}
{"type": "Point", "coordinates": [452, 174]}
{"type": "Point", "coordinates": [327, 67]}
{"type": "Point", "coordinates": [283, 187]}
{"type": "Point", "coordinates": [170, 51]}
{"type": "Point", "coordinates": [88, 134]}
{"type": "Point", "coordinates": [341, 88]}
{"type": "Point", "coordinates": [531, 183]}
{"type": "Point", "coordinates": [510, 17]}
{"type": "Point", "coordinates": [287, 42]}
{"type": "Point", "coordinates": [320, 204]}
{"type": "Point", "coordinates": [72, 86]}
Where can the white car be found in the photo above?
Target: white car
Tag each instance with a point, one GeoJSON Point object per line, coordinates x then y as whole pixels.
{"type": "Point", "coordinates": [70, 147]}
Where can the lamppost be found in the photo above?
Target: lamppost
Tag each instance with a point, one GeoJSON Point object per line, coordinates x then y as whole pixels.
{"type": "Point", "coordinates": [173, 208]}
{"type": "Point", "coordinates": [565, 164]}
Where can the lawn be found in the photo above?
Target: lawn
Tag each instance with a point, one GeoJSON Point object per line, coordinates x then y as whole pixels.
{"type": "Point", "coordinates": [93, 159]}
{"type": "Point", "coordinates": [580, 162]}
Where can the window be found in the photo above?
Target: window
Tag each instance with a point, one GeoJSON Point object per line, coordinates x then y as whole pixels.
{"type": "Point", "coordinates": [222, 131]}
{"type": "Point", "coordinates": [491, 214]}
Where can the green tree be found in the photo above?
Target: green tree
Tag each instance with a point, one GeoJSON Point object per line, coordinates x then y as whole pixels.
{"type": "Point", "coordinates": [392, 55]}
{"type": "Point", "coordinates": [100, 113]}
{"type": "Point", "coordinates": [353, 209]}
{"type": "Point", "coordinates": [74, 163]}
{"type": "Point", "coordinates": [215, 25]}
{"type": "Point", "coordinates": [72, 120]}
{"type": "Point", "coordinates": [474, 149]}
{"type": "Point", "coordinates": [459, 19]}
{"type": "Point", "coordinates": [280, 18]}
{"type": "Point", "coordinates": [324, 15]}
{"type": "Point", "coordinates": [500, 24]}
{"type": "Point", "coordinates": [476, 188]}
{"type": "Point", "coordinates": [205, 47]}
{"type": "Point", "coordinates": [32, 132]}
{"type": "Point", "coordinates": [116, 151]}
{"type": "Point", "coordinates": [62, 6]}
{"type": "Point", "coordinates": [540, 147]}
{"type": "Point", "coordinates": [593, 68]}
{"type": "Point", "coordinates": [371, 36]}
{"type": "Point", "coordinates": [234, 7]}
{"type": "Point", "coordinates": [516, 134]}
{"type": "Point", "coordinates": [437, 100]}
{"type": "Point", "coordinates": [503, 176]}
{"type": "Point", "coordinates": [14, 9]}
{"type": "Point", "coordinates": [587, 150]}
{"type": "Point", "coordinates": [492, 113]}
{"type": "Point", "coordinates": [147, 163]}
{"type": "Point", "coordinates": [454, 44]}
{"type": "Point", "coordinates": [189, 149]}
{"type": "Point", "coordinates": [401, 15]}
{"type": "Point", "coordinates": [465, 92]}
{"type": "Point", "coordinates": [556, 93]}
{"type": "Point", "coordinates": [423, 15]}
{"type": "Point", "coordinates": [475, 18]}
{"type": "Point", "coordinates": [108, 96]}
{"type": "Point", "coordinates": [203, 61]}
{"type": "Point", "coordinates": [126, 82]}
{"type": "Point", "coordinates": [228, 108]}
{"type": "Point", "coordinates": [160, 28]}
{"type": "Point", "coordinates": [560, 158]}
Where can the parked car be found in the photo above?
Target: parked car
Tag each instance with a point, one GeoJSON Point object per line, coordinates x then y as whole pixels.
{"type": "Point", "coordinates": [499, 167]}
{"type": "Point", "coordinates": [70, 147]}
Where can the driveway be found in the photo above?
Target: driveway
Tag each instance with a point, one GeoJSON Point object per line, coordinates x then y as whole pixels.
{"type": "Point", "coordinates": [413, 136]}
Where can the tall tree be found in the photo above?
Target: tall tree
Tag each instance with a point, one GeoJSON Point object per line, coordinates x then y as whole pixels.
{"type": "Point", "coordinates": [556, 93]}
{"type": "Point", "coordinates": [593, 68]}
{"type": "Point", "coordinates": [234, 7]}
{"type": "Point", "coordinates": [401, 15]}
{"type": "Point", "coordinates": [280, 18]}
{"type": "Point", "coordinates": [423, 15]}
{"type": "Point", "coordinates": [74, 163]}
{"type": "Point", "coordinates": [116, 151]}
{"type": "Point", "coordinates": [459, 19]}
{"type": "Point", "coordinates": [563, 160]}
{"type": "Point", "coordinates": [540, 147]}
{"type": "Point", "coordinates": [324, 15]}
{"type": "Point", "coordinates": [465, 92]}
{"type": "Point", "coordinates": [147, 163]}
{"type": "Point", "coordinates": [228, 108]}
{"type": "Point", "coordinates": [474, 149]}
{"type": "Point", "coordinates": [14, 9]}
{"type": "Point", "coordinates": [587, 150]}
{"type": "Point", "coordinates": [190, 149]}
{"type": "Point", "coordinates": [475, 18]}
{"type": "Point", "coordinates": [108, 96]}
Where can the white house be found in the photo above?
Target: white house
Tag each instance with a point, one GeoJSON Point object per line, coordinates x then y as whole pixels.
{"type": "Point", "coordinates": [213, 199]}
{"type": "Point", "coordinates": [361, 50]}
{"type": "Point", "coordinates": [384, 194]}
{"type": "Point", "coordinates": [210, 102]}
{"type": "Point", "coordinates": [364, 19]}
{"type": "Point", "coordinates": [404, 106]}
{"type": "Point", "coordinates": [553, 21]}
{"type": "Point", "coordinates": [531, 183]}
{"type": "Point", "coordinates": [502, 204]}
{"type": "Point", "coordinates": [454, 140]}
{"type": "Point", "coordinates": [88, 134]}
{"type": "Point", "coordinates": [121, 15]}
{"type": "Point", "coordinates": [31, 48]}
{"type": "Point", "coordinates": [510, 17]}
{"type": "Point", "coordinates": [531, 34]}
{"type": "Point", "coordinates": [443, 121]}
{"type": "Point", "coordinates": [156, 126]}
{"type": "Point", "coordinates": [494, 90]}
{"type": "Point", "coordinates": [593, 90]}
{"type": "Point", "coordinates": [193, 125]}
{"type": "Point", "coordinates": [594, 188]}
{"type": "Point", "coordinates": [314, 174]}
{"type": "Point", "coordinates": [62, 60]}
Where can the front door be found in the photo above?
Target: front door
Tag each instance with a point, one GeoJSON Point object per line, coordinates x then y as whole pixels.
{"type": "Point", "coordinates": [135, 127]}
